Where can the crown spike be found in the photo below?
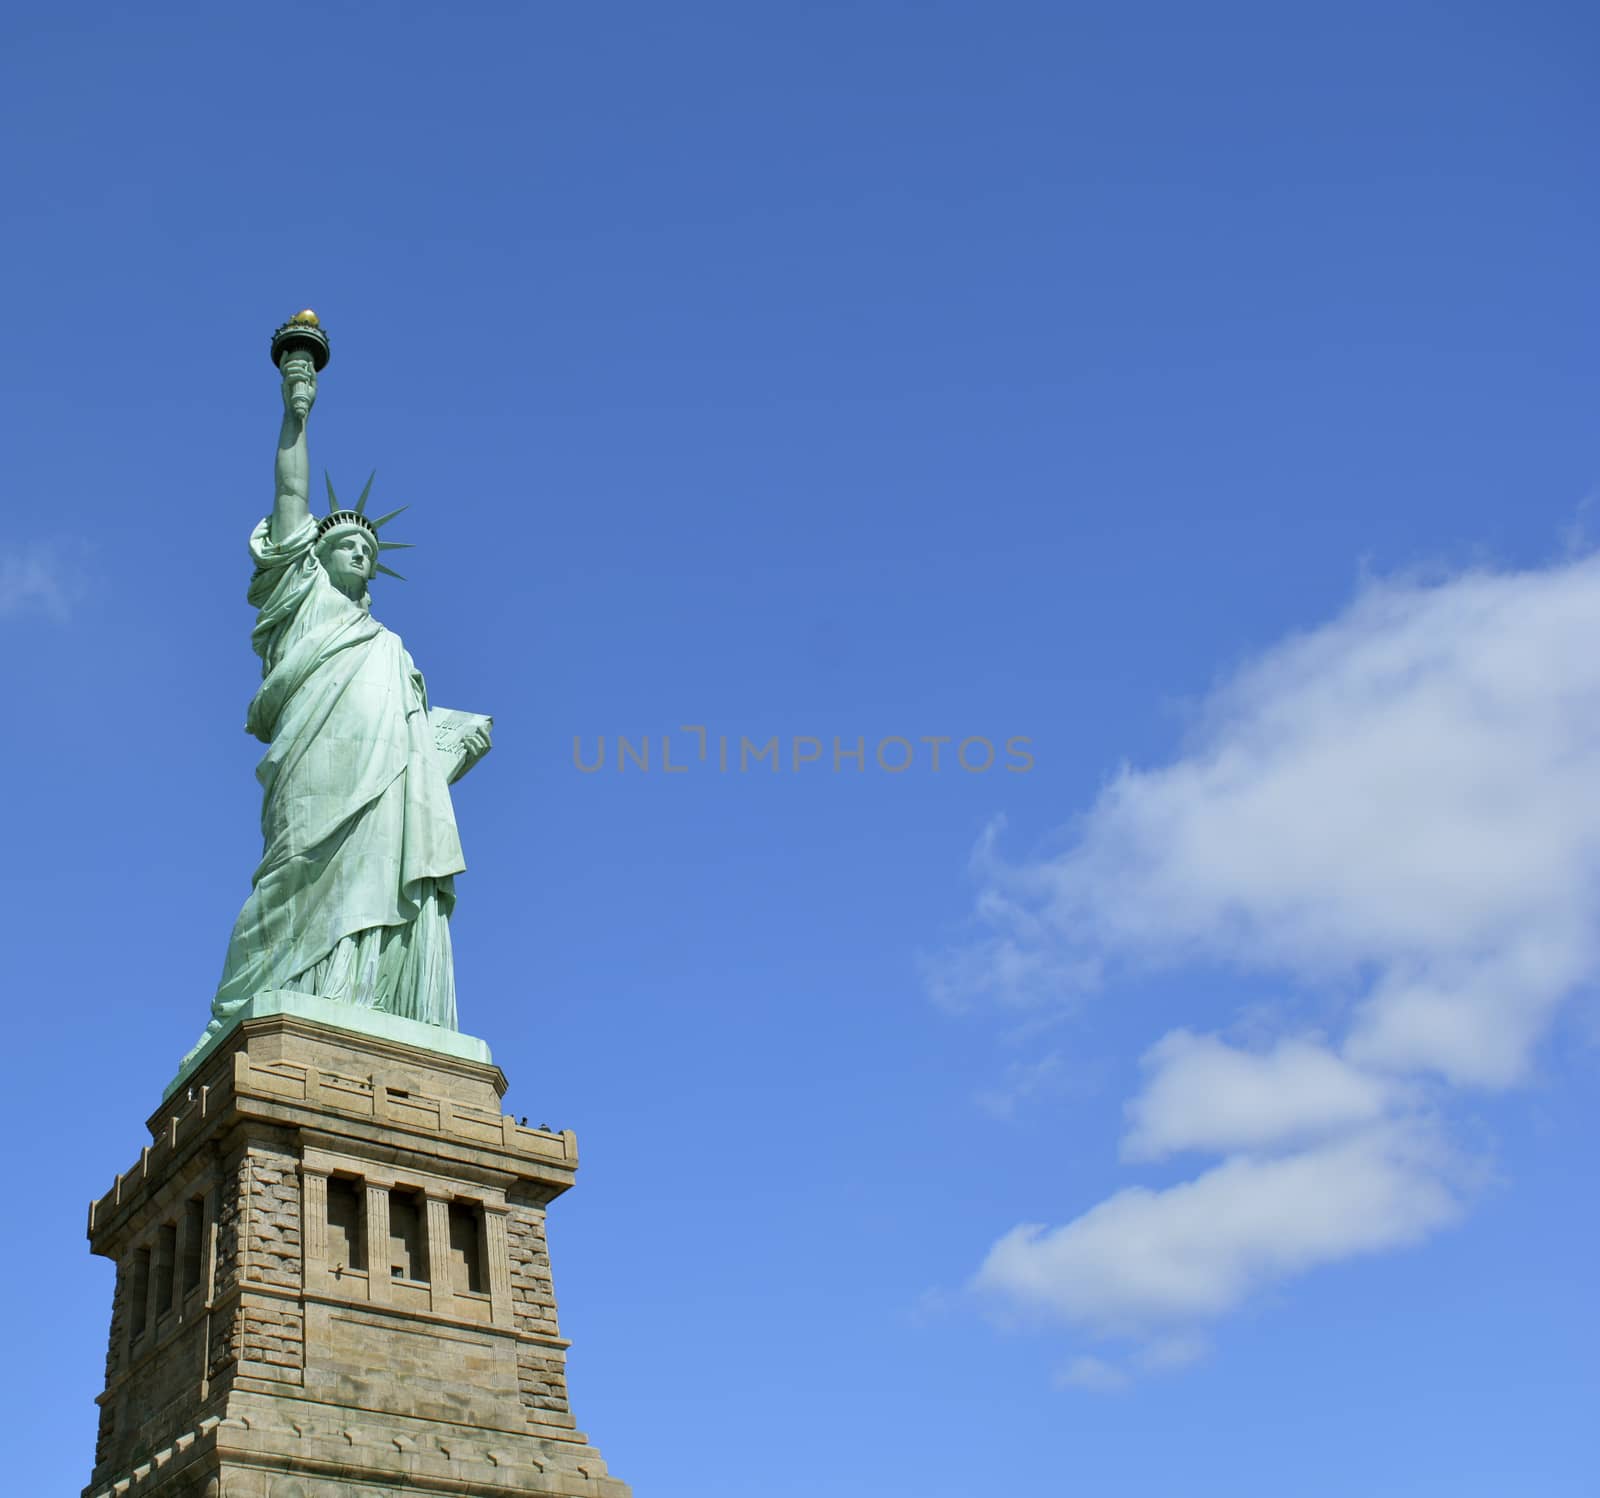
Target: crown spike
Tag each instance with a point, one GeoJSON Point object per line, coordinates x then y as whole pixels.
{"type": "Point", "coordinates": [339, 518]}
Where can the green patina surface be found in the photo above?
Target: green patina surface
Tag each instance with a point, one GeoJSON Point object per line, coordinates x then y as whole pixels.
{"type": "Point", "coordinates": [352, 898]}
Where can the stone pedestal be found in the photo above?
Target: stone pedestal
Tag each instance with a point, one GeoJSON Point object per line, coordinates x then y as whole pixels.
{"type": "Point", "coordinates": [332, 1281]}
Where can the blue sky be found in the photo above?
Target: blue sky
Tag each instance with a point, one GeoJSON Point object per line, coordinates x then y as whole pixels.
{"type": "Point", "coordinates": [1205, 394]}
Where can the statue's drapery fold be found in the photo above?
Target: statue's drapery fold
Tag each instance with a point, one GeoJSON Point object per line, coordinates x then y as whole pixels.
{"type": "Point", "coordinates": [352, 897]}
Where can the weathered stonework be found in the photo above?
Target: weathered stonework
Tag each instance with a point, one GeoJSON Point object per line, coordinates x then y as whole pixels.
{"type": "Point", "coordinates": [333, 1280]}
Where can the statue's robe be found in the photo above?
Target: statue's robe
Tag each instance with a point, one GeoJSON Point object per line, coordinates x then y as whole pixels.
{"type": "Point", "coordinates": [353, 895]}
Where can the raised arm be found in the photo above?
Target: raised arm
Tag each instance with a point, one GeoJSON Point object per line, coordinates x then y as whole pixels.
{"type": "Point", "coordinates": [292, 502]}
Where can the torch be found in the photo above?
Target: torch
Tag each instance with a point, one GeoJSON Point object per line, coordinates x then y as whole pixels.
{"type": "Point", "coordinates": [300, 338]}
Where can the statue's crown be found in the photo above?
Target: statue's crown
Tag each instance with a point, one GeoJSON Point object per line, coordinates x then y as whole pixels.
{"type": "Point", "coordinates": [339, 519]}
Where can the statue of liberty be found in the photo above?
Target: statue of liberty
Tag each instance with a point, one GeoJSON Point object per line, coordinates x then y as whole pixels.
{"type": "Point", "coordinates": [352, 898]}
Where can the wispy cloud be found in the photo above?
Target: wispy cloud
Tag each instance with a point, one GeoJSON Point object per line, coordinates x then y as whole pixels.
{"type": "Point", "coordinates": [1023, 1080]}
{"type": "Point", "coordinates": [1094, 1374]}
{"type": "Point", "coordinates": [1401, 801]}
{"type": "Point", "coordinates": [38, 577]}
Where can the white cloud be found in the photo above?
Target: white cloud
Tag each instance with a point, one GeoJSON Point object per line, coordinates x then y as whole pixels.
{"type": "Point", "coordinates": [1406, 791]}
{"type": "Point", "coordinates": [1397, 809]}
{"type": "Point", "coordinates": [1144, 1262]}
{"type": "Point", "coordinates": [1203, 1094]}
{"type": "Point", "coordinates": [37, 576]}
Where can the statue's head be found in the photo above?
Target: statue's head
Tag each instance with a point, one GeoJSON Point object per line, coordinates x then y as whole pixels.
{"type": "Point", "coordinates": [347, 547]}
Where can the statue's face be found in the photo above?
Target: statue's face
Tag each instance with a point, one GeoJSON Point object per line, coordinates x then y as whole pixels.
{"type": "Point", "coordinates": [348, 558]}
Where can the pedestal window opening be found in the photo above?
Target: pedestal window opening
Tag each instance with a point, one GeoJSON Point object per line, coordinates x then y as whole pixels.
{"type": "Point", "coordinates": [466, 1249]}
{"type": "Point", "coordinates": [139, 1293]}
{"type": "Point", "coordinates": [347, 1227]}
{"type": "Point", "coordinates": [166, 1265]}
{"type": "Point", "coordinates": [194, 1223]}
{"type": "Point", "coordinates": [408, 1243]}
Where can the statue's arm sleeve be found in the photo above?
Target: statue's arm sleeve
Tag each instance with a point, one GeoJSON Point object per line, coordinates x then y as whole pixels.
{"type": "Point", "coordinates": [272, 558]}
{"type": "Point", "coordinates": [286, 575]}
